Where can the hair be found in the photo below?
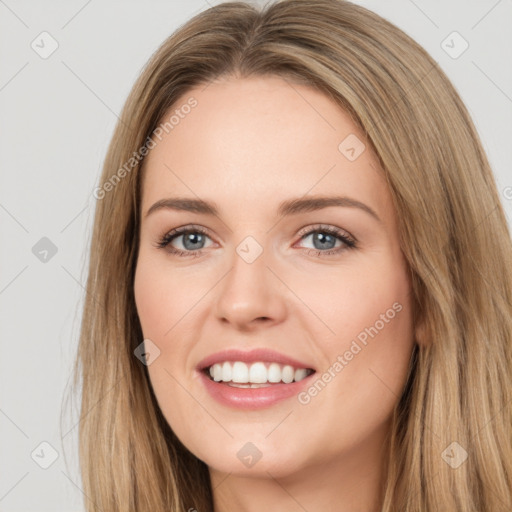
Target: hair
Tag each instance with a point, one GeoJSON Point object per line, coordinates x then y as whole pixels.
{"type": "Point", "coordinates": [453, 233]}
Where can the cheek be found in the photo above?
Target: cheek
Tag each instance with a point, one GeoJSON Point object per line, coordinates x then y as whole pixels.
{"type": "Point", "coordinates": [368, 312]}
{"type": "Point", "coordinates": [350, 301]}
{"type": "Point", "coordinates": [160, 306]}
{"type": "Point", "coordinates": [157, 297]}
{"type": "Point", "coordinates": [366, 360]}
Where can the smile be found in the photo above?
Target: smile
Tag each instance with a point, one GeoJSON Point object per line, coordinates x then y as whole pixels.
{"type": "Point", "coordinates": [254, 379]}
{"type": "Point", "coordinates": [255, 375]}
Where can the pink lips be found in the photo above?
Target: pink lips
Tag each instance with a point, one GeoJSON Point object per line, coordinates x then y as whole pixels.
{"type": "Point", "coordinates": [251, 398]}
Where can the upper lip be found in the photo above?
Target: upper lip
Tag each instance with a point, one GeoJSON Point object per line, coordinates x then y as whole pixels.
{"type": "Point", "coordinates": [251, 356]}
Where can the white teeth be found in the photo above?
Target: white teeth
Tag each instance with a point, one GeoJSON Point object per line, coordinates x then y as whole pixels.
{"type": "Point", "coordinates": [226, 372]}
{"type": "Point", "coordinates": [240, 373]}
{"type": "Point", "coordinates": [300, 374]}
{"type": "Point", "coordinates": [288, 374]}
{"type": "Point", "coordinates": [274, 373]}
{"type": "Point", "coordinates": [255, 375]}
{"type": "Point", "coordinates": [233, 385]}
{"type": "Point", "coordinates": [217, 372]}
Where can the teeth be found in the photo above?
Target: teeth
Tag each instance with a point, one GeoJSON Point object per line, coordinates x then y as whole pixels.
{"type": "Point", "coordinates": [217, 372]}
{"type": "Point", "coordinates": [300, 374]}
{"type": "Point", "coordinates": [233, 385]}
{"type": "Point", "coordinates": [274, 373]}
{"type": "Point", "coordinates": [256, 375]}
{"type": "Point", "coordinates": [240, 373]}
{"type": "Point", "coordinates": [226, 371]}
{"type": "Point", "coordinates": [288, 374]}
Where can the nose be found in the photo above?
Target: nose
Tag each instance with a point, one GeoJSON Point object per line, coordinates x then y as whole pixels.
{"type": "Point", "coordinates": [250, 294]}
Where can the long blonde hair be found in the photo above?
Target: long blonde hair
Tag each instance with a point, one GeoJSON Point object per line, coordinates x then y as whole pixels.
{"type": "Point", "coordinates": [453, 233]}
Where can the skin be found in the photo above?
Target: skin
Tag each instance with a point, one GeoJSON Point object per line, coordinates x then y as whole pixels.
{"type": "Point", "coordinates": [248, 145]}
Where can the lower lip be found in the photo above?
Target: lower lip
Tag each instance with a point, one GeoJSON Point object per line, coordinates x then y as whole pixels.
{"type": "Point", "coordinates": [252, 398]}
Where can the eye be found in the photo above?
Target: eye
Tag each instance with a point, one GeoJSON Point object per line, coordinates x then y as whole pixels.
{"type": "Point", "coordinates": [193, 238]}
{"type": "Point", "coordinates": [324, 239]}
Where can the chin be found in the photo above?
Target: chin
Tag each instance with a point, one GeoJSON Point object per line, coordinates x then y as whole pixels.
{"type": "Point", "coordinates": [252, 456]}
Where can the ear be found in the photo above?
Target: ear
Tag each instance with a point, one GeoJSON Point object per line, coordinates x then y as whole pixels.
{"type": "Point", "coordinates": [421, 335]}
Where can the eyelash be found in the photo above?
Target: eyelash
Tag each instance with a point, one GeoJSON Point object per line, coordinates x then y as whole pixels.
{"type": "Point", "coordinates": [350, 243]}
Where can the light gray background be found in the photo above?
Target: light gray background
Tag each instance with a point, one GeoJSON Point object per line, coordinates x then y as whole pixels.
{"type": "Point", "coordinates": [57, 118]}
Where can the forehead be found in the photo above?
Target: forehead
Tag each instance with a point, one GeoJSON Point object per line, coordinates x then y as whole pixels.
{"type": "Point", "coordinates": [253, 142]}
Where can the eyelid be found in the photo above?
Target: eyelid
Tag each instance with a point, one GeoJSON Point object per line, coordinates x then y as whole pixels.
{"type": "Point", "coordinates": [305, 230]}
{"type": "Point", "coordinates": [325, 227]}
{"type": "Point", "coordinates": [349, 241]}
{"type": "Point", "coordinates": [181, 230]}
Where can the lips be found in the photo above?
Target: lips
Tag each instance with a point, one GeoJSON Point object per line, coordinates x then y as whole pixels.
{"type": "Point", "coordinates": [252, 379]}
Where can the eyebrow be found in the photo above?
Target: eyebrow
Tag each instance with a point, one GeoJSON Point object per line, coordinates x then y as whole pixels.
{"type": "Point", "coordinates": [285, 208]}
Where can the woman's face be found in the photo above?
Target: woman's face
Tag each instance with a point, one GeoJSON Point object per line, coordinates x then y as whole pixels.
{"type": "Point", "coordinates": [296, 268]}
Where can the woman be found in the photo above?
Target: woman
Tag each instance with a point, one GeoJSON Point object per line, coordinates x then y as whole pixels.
{"type": "Point", "coordinates": [254, 370]}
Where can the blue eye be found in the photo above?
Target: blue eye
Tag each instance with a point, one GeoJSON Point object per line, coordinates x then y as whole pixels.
{"type": "Point", "coordinates": [191, 236]}
{"type": "Point", "coordinates": [324, 237]}
{"type": "Point", "coordinates": [194, 236]}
